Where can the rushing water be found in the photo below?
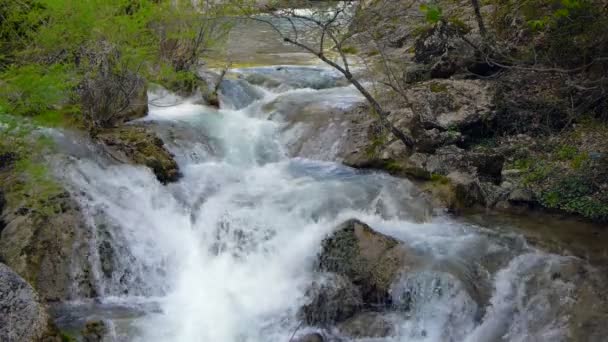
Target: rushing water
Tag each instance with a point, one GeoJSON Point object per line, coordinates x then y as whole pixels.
{"type": "Point", "coordinates": [227, 253]}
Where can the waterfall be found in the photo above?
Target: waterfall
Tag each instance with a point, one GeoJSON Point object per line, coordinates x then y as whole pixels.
{"type": "Point", "coordinates": [228, 252]}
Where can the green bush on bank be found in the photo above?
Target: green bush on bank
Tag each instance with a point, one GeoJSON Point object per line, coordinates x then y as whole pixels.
{"type": "Point", "coordinates": [49, 47]}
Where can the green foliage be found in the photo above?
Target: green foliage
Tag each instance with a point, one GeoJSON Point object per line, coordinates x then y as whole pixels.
{"type": "Point", "coordinates": [350, 50]}
{"type": "Point", "coordinates": [34, 89]}
{"type": "Point", "coordinates": [67, 337]}
{"type": "Point", "coordinates": [432, 12]}
{"type": "Point", "coordinates": [30, 183]}
{"type": "Point", "coordinates": [437, 87]}
{"type": "Point", "coordinates": [53, 46]}
{"type": "Point", "coordinates": [576, 195]}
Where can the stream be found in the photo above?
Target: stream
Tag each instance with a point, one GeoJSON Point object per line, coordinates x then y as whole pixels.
{"type": "Point", "coordinates": [228, 252]}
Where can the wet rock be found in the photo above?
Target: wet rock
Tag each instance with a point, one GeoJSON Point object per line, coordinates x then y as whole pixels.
{"type": "Point", "coordinates": [23, 317]}
{"type": "Point", "coordinates": [96, 331]}
{"type": "Point", "coordinates": [369, 259]}
{"type": "Point", "coordinates": [334, 298]}
{"type": "Point", "coordinates": [366, 325]}
{"type": "Point", "coordinates": [133, 144]}
{"type": "Point", "coordinates": [467, 189]}
{"type": "Point", "coordinates": [313, 337]}
{"type": "Point", "coordinates": [47, 245]}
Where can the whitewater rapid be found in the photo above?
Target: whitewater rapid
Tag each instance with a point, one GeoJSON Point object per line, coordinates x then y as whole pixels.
{"type": "Point", "coordinates": [227, 253]}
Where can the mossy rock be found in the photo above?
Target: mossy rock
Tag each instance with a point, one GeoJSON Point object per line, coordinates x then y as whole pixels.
{"type": "Point", "coordinates": [137, 145]}
{"type": "Point", "coordinates": [371, 260]}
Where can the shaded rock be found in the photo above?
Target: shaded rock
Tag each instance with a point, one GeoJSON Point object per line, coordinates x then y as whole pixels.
{"type": "Point", "coordinates": [132, 144]}
{"type": "Point", "coordinates": [334, 298]}
{"type": "Point", "coordinates": [417, 73]}
{"type": "Point", "coordinates": [23, 317]}
{"type": "Point", "coordinates": [519, 195]}
{"type": "Point", "coordinates": [443, 50]}
{"type": "Point", "coordinates": [429, 140]}
{"type": "Point", "coordinates": [369, 259]}
{"type": "Point", "coordinates": [7, 159]}
{"type": "Point", "coordinates": [367, 325]}
{"type": "Point", "coordinates": [467, 189]}
{"type": "Point", "coordinates": [96, 331]}
{"type": "Point", "coordinates": [489, 165]}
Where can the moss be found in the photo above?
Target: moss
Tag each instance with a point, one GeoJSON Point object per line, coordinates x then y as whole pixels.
{"type": "Point", "coordinates": [439, 179]}
{"type": "Point", "coordinates": [566, 152]}
{"type": "Point", "coordinates": [137, 145]}
{"type": "Point", "coordinates": [437, 87]}
{"type": "Point", "coordinates": [28, 183]}
{"type": "Point", "coordinates": [393, 166]}
{"type": "Point", "coordinates": [67, 337]}
{"type": "Point", "coordinates": [350, 50]}
{"type": "Point", "coordinates": [441, 191]}
{"type": "Point", "coordinates": [459, 25]}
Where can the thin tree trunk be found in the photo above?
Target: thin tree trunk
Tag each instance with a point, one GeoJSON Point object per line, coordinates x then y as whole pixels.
{"type": "Point", "coordinates": [479, 18]}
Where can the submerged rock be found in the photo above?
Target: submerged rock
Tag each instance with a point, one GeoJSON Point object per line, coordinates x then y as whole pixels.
{"type": "Point", "coordinates": [23, 317]}
{"type": "Point", "coordinates": [132, 144]}
{"type": "Point", "coordinates": [369, 259]}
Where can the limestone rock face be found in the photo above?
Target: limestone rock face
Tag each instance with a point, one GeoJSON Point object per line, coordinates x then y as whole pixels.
{"type": "Point", "coordinates": [22, 317]}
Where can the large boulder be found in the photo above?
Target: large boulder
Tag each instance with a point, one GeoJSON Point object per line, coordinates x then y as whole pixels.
{"type": "Point", "coordinates": [453, 105]}
{"type": "Point", "coordinates": [369, 259]}
{"type": "Point", "coordinates": [133, 144]}
{"type": "Point", "coordinates": [23, 317]}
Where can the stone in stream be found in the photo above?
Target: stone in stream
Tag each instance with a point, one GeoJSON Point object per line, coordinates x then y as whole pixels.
{"type": "Point", "coordinates": [334, 298]}
{"type": "Point", "coordinates": [366, 325]}
{"type": "Point", "coordinates": [133, 144]}
{"type": "Point", "coordinates": [371, 260]}
{"type": "Point", "coordinates": [23, 318]}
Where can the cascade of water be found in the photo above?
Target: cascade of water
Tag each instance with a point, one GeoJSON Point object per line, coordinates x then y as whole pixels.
{"type": "Point", "coordinates": [227, 253]}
